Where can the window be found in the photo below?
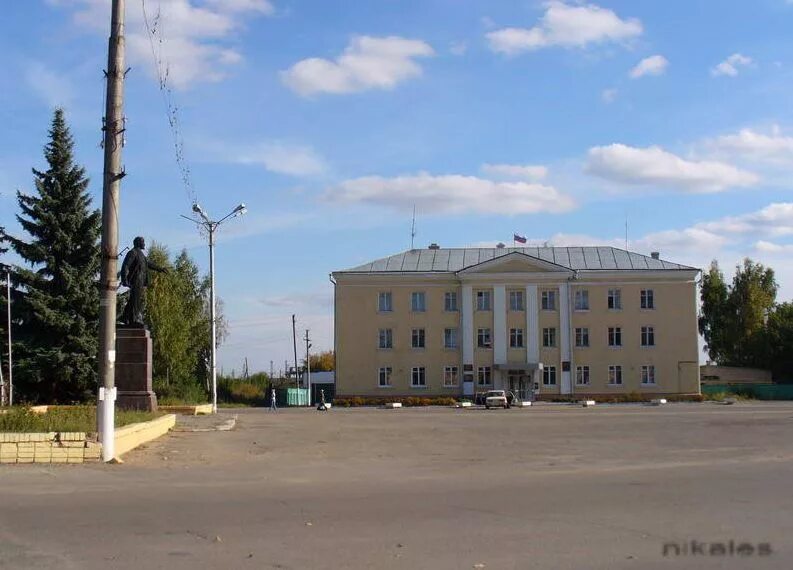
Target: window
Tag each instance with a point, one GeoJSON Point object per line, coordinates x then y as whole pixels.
{"type": "Point", "coordinates": [449, 338]}
{"type": "Point", "coordinates": [516, 338]}
{"type": "Point", "coordinates": [648, 374]}
{"type": "Point", "coordinates": [417, 338]}
{"type": "Point", "coordinates": [648, 336]}
{"type": "Point", "coordinates": [615, 299]}
{"type": "Point", "coordinates": [582, 337]}
{"type": "Point", "coordinates": [582, 375]}
{"type": "Point", "coordinates": [549, 376]}
{"type": "Point", "coordinates": [483, 300]}
{"type": "Point", "coordinates": [485, 377]}
{"type": "Point", "coordinates": [615, 375]}
{"type": "Point", "coordinates": [615, 336]}
{"type": "Point", "coordinates": [582, 300]}
{"type": "Point", "coordinates": [386, 339]}
{"type": "Point", "coordinates": [548, 300]}
{"type": "Point", "coordinates": [647, 299]}
{"type": "Point", "coordinates": [483, 338]}
{"type": "Point", "coordinates": [418, 301]}
{"type": "Point", "coordinates": [450, 376]}
{"type": "Point", "coordinates": [384, 377]}
{"type": "Point", "coordinates": [516, 301]}
{"type": "Point", "coordinates": [418, 377]}
{"type": "Point", "coordinates": [384, 302]}
{"type": "Point", "coordinates": [549, 337]}
{"type": "Point", "coordinates": [450, 301]}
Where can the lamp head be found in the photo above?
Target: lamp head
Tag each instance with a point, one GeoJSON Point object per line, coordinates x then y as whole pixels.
{"type": "Point", "coordinates": [240, 210]}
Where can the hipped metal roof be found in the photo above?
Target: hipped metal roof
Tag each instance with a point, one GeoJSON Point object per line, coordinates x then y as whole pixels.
{"type": "Point", "coordinates": [575, 258]}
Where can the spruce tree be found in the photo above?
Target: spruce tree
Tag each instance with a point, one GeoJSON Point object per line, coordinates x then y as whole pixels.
{"type": "Point", "coordinates": [56, 297]}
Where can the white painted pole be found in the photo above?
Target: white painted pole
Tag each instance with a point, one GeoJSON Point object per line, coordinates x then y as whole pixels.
{"type": "Point", "coordinates": [212, 317]}
{"type": "Point", "coordinates": [10, 350]}
{"type": "Point", "coordinates": [308, 370]}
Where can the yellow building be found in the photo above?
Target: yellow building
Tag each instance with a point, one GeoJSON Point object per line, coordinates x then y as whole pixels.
{"type": "Point", "coordinates": [548, 322]}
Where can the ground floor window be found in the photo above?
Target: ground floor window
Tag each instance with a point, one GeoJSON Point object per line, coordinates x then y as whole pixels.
{"type": "Point", "coordinates": [384, 377]}
{"type": "Point", "coordinates": [485, 376]}
{"type": "Point", "coordinates": [615, 375]}
{"type": "Point", "coordinates": [418, 377]}
{"type": "Point", "coordinates": [549, 376]}
{"type": "Point", "coordinates": [582, 375]}
{"type": "Point", "coordinates": [648, 374]}
{"type": "Point", "coordinates": [450, 374]}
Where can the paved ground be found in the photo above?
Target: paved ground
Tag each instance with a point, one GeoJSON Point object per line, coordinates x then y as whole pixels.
{"type": "Point", "coordinates": [552, 487]}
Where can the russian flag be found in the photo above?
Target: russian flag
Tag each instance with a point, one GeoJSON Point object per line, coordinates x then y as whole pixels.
{"type": "Point", "coordinates": [519, 238]}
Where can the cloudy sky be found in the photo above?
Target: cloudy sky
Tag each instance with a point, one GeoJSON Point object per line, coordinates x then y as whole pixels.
{"type": "Point", "coordinates": [331, 120]}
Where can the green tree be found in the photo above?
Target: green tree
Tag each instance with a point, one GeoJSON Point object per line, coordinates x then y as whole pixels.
{"type": "Point", "coordinates": [714, 319]}
{"type": "Point", "coordinates": [322, 361]}
{"type": "Point", "coordinates": [779, 342]}
{"type": "Point", "coordinates": [56, 296]}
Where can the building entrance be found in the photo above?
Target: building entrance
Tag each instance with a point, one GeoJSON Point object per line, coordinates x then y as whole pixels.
{"type": "Point", "coordinates": [520, 385]}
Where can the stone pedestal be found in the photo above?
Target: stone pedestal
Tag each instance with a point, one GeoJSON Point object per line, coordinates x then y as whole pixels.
{"type": "Point", "coordinates": [133, 369]}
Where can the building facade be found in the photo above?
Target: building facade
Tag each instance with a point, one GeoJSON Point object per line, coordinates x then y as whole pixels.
{"type": "Point", "coordinates": [561, 322]}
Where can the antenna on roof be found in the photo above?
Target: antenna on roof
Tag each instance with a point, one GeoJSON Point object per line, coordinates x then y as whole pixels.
{"type": "Point", "coordinates": [413, 227]}
{"type": "Point", "coordinates": [626, 229]}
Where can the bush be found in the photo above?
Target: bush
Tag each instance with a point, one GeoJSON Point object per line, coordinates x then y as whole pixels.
{"type": "Point", "coordinates": [182, 394]}
{"type": "Point", "coordinates": [64, 419]}
{"type": "Point", "coordinates": [242, 392]}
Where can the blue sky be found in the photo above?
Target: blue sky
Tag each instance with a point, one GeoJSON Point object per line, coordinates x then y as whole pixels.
{"type": "Point", "coordinates": [331, 119]}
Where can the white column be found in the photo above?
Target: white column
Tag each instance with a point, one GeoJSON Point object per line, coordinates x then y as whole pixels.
{"type": "Point", "coordinates": [564, 335]}
{"type": "Point", "coordinates": [468, 324]}
{"type": "Point", "coordinates": [499, 324]}
{"type": "Point", "coordinates": [532, 325]}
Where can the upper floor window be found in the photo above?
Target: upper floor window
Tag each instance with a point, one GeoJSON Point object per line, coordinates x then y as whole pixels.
{"type": "Point", "coordinates": [483, 339]}
{"type": "Point", "coordinates": [450, 374]}
{"type": "Point", "coordinates": [386, 339]}
{"type": "Point", "coordinates": [516, 301]}
{"type": "Point", "coordinates": [549, 375]}
{"type": "Point", "coordinates": [615, 299]}
{"type": "Point", "coordinates": [648, 374]}
{"type": "Point", "coordinates": [384, 377]}
{"type": "Point", "coordinates": [647, 299]}
{"type": "Point", "coordinates": [615, 375]}
{"type": "Point", "coordinates": [450, 338]}
{"type": "Point", "coordinates": [648, 336]}
{"type": "Point", "coordinates": [516, 338]}
{"type": "Point", "coordinates": [582, 337]}
{"type": "Point", "coordinates": [384, 302]}
{"type": "Point", "coordinates": [450, 301]}
{"type": "Point", "coordinates": [484, 377]}
{"type": "Point", "coordinates": [418, 301]}
{"type": "Point", "coordinates": [582, 300]}
{"type": "Point", "coordinates": [548, 301]}
{"type": "Point", "coordinates": [418, 377]}
{"type": "Point", "coordinates": [615, 336]}
{"type": "Point", "coordinates": [483, 301]}
{"type": "Point", "coordinates": [549, 337]}
{"type": "Point", "coordinates": [417, 338]}
{"type": "Point", "coordinates": [582, 375]}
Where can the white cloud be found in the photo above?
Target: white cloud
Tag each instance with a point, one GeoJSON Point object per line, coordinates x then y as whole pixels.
{"type": "Point", "coordinates": [452, 194]}
{"type": "Point", "coordinates": [366, 63]}
{"type": "Point", "coordinates": [283, 158]}
{"type": "Point", "coordinates": [458, 48]}
{"type": "Point", "coordinates": [515, 171]}
{"type": "Point", "coordinates": [608, 96]}
{"type": "Point", "coordinates": [54, 89]}
{"type": "Point", "coordinates": [750, 144]}
{"type": "Point", "coordinates": [565, 25]}
{"type": "Point", "coordinates": [191, 37]}
{"type": "Point", "coordinates": [653, 65]}
{"type": "Point", "coordinates": [770, 247]}
{"type": "Point", "coordinates": [731, 65]}
{"type": "Point", "coordinates": [774, 220]}
{"type": "Point", "coordinates": [655, 166]}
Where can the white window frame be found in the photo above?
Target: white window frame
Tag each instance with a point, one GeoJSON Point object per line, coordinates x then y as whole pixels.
{"type": "Point", "coordinates": [582, 375]}
{"type": "Point", "coordinates": [615, 373]}
{"type": "Point", "coordinates": [484, 376]}
{"type": "Point", "coordinates": [548, 300]}
{"type": "Point", "coordinates": [549, 333]}
{"type": "Point", "coordinates": [454, 334]}
{"type": "Point", "coordinates": [384, 372]}
{"type": "Point", "coordinates": [516, 335]}
{"type": "Point", "coordinates": [581, 334]}
{"type": "Point", "coordinates": [415, 306]}
{"type": "Point", "coordinates": [647, 336]}
{"type": "Point", "coordinates": [454, 373]}
{"type": "Point", "coordinates": [647, 299]}
{"type": "Point", "coordinates": [581, 300]}
{"type": "Point", "coordinates": [517, 301]}
{"type": "Point", "coordinates": [484, 300]}
{"type": "Point", "coordinates": [648, 375]}
{"type": "Point", "coordinates": [484, 331]}
{"type": "Point", "coordinates": [549, 376]}
{"type": "Point", "coordinates": [418, 377]}
{"type": "Point", "coordinates": [615, 333]}
{"type": "Point", "coordinates": [614, 300]}
{"type": "Point", "coordinates": [382, 296]}
{"type": "Point", "coordinates": [419, 333]}
{"type": "Point", "coordinates": [386, 335]}
{"type": "Point", "coordinates": [450, 302]}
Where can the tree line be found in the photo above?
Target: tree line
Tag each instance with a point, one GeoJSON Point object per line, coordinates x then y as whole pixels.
{"type": "Point", "coordinates": [55, 294]}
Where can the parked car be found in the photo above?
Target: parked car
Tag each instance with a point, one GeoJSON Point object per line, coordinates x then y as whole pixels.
{"type": "Point", "coordinates": [496, 399]}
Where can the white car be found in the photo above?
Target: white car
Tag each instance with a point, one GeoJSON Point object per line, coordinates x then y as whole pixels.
{"type": "Point", "coordinates": [496, 399]}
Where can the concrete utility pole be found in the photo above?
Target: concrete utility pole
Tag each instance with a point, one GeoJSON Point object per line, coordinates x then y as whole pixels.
{"type": "Point", "coordinates": [10, 350]}
{"type": "Point", "coordinates": [294, 345]}
{"type": "Point", "coordinates": [308, 369]}
{"type": "Point", "coordinates": [111, 184]}
{"type": "Point", "coordinates": [211, 226]}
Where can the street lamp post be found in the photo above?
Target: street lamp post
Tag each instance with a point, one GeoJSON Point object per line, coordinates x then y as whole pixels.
{"type": "Point", "coordinates": [211, 226]}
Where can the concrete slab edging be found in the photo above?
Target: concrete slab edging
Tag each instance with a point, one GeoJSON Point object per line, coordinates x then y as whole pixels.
{"type": "Point", "coordinates": [131, 436]}
{"type": "Point", "coordinates": [193, 410]}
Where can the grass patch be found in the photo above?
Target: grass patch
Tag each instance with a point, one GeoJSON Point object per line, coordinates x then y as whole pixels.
{"type": "Point", "coordinates": [65, 419]}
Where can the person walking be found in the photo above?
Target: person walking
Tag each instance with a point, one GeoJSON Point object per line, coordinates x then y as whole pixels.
{"type": "Point", "coordinates": [273, 404]}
